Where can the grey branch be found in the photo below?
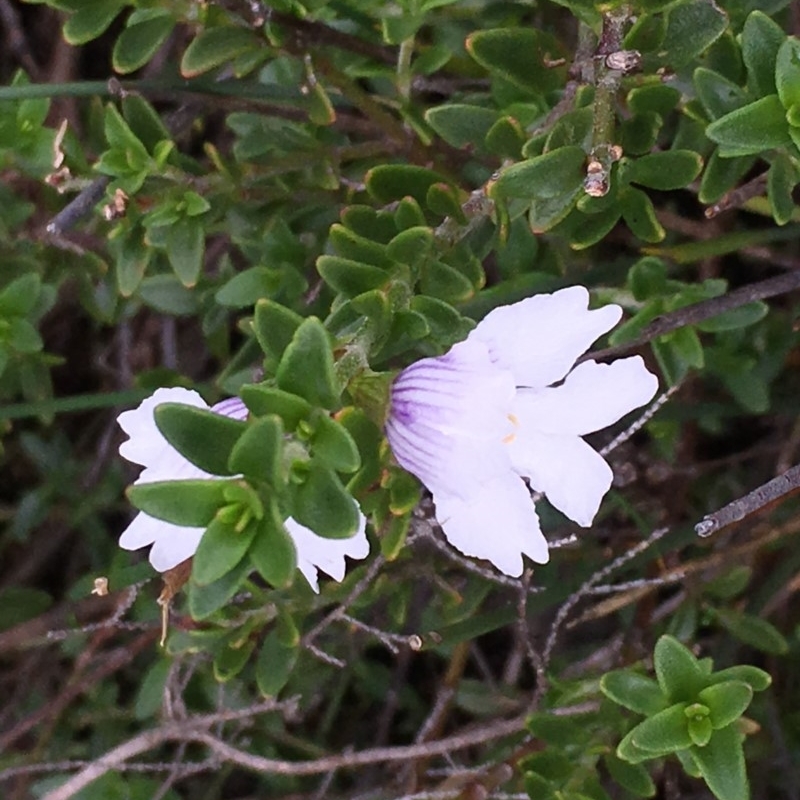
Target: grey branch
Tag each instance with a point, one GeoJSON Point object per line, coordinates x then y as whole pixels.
{"type": "Point", "coordinates": [706, 309]}
{"type": "Point", "coordinates": [189, 733]}
{"type": "Point", "coordinates": [754, 501]}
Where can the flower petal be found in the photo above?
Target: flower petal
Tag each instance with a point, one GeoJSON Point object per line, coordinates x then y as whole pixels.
{"type": "Point", "coordinates": [572, 475]}
{"type": "Point", "coordinates": [146, 445]}
{"type": "Point", "coordinates": [448, 418]}
{"type": "Point", "coordinates": [174, 546]}
{"type": "Point", "coordinates": [232, 407]}
{"type": "Point", "coordinates": [499, 523]}
{"type": "Point", "coordinates": [316, 552]}
{"type": "Point", "coordinates": [171, 543]}
{"type": "Point", "coordinates": [592, 397]}
{"type": "Point", "coordinates": [540, 338]}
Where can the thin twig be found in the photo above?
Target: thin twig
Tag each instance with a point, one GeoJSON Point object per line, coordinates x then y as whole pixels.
{"type": "Point", "coordinates": [369, 576]}
{"type": "Point", "coordinates": [739, 196]}
{"type": "Point", "coordinates": [227, 753]}
{"type": "Point", "coordinates": [598, 576]}
{"type": "Point", "coordinates": [699, 312]}
{"type": "Point", "coordinates": [754, 501]}
{"type": "Point", "coordinates": [639, 423]}
{"type": "Point", "coordinates": [534, 657]}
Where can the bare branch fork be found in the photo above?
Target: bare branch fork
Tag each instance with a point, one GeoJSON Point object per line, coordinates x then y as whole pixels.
{"type": "Point", "coordinates": [194, 732]}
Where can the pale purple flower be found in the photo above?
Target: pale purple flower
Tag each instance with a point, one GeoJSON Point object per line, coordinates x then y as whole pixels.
{"type": "Point", "coordinates": [172, 544]}
{"type": "Point", "coordinates": [506, 404]}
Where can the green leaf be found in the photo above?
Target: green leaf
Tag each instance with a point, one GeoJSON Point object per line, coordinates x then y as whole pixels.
{"type": "Point", "coordinates": [505, 138]}
{"type": "Point", "coordinates": [700, 730]}
{"type": "Point", "coordinates": [634, 691]}
{"type": "Point", "coordinates": [647, 278]}
{"type": "Point", "coordinates": [678, 352]}
{"type": "Point", "coordinates": [91, 20]}
{"type": "Point", "coordinates": [633, 777]}
{"type": "Point", "coordinates": [246, 288]}
{"type": "Point", "coordinates": [443, 282]}
{"type": "Point", "coordinates": [258, 452]}
{"type": "Point", "coordinates": [140, 41]}
{"type": "Point", "coordinates": [678, 672]}
{"type": "Point", "coordinates": [230, 660]}
{"type": "Point", "coordinates": [718, 95]}
{"type": "Point", "coordinates": [721, 175]}
{"type": "Point", "coordinates": [787, 72]}
{"type": "Point", "coordinates": [272, 551]}
{"type": "Point", "coordinates": [20, 296]}
{"type": "Point", "coordinates": [722, 765]}
{"type": "Point", "coordinates": [781, 180]}
{"type": "Point", "coordinates": [120, 137]}
{"type": "Point", "coordinates": [214, 47]}
{"type": "Point", "coordinates": [333, 444]}
{"type": "Point", "coordinates": [664, 732]}
{"type": "Point", "coordinates": [630, 753]}
{"type": "Point", "coordinates": [201, 436]}
{"type": "Point", "coordinates": [377, 226]}
{"type": "Point", "coordinates": [726, 701]}
{"type": "Point", "coordinates": [646, 33]}
{"type": "Point", "coordinates": [275, 664]}
{"type": "Point", "coordinates": [751, 129]}
{"type": "Point", "coordinates": [190, 503]}
{"type": "Point", "coordinates": [23, 337]}
{"type": "Point", "coordinates": [144, 121]}
{"type": "Point", "coordinates": [588, 229]}
{"type": "Point", "coordinates": [546, 212]}
{"type": "Point", "coordinates": [354, 247]}
{"type": "Point", "coordinates": [275, 326]}
{"type": "Point", "coordinates": [735, 318]}
{"type": "Point", "coordinates": [729, 584]}
{"type": "Point", "coordinates": [404, 493]}
{"type": "Point", "coordinates": [670, 169]}
{"type": "Point", "coordinates": [351, 278]}
{"type": "Point", "coordinates": [389, 182]}
{"type": "Point", "coordinates": [318, 105]}
{"type": "Point", "coordinates": [761, 39]}
{"type": "Point", "coordinates": [640, 215]}
{"type": "Point", "coordinates": [320, 502]}
{"type": "Point", "coordinates": [307, 367]}
{"type": "Point", "coordinates": [756, 678]}
{"type": "Point", "coordinates": [692, 27]}
{"type": "Point", "coordinates": [445, 323]}
{"type": "Point", "coordinates": [186, 244]}
{"type": "Point", "coordinates": [205, 600]}
{"type": "Point", "coordinates": [553, 174]}
{"type": "Point", "coordinates": [166, 294]}
{"type": "Point", "coordinates": [220, 550]}
{"type": "Point", "coordinates": [752, 630]}
{"type": "Point", "coordinates": [393, 535]}
{"type": "Point", "coordinates": [263, 400]}
{"type": "Point", "coordinates": [445, 200]}
{"type": "Point", "coordinates": [653, 99]}
{"type": "Point", "coordinates": [520, 55]}
{"type": "Point", "coordinates": [461, 125]}
{"type": "Point", "coordinates": [639, 134]}
{"type": "Point", "coordinates": [561, 732]}
{"type": "Point", "coordinates": [150, 695]}
{"type": "Point", "coordinates": [411, 246]}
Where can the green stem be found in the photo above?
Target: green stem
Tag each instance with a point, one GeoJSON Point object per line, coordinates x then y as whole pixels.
{"type": "Point", "coordinates": [76, 402]}
{"type": "Point", "coordinates": [404, 68]}
{"type": "Point", "coordinates": [607, 83]}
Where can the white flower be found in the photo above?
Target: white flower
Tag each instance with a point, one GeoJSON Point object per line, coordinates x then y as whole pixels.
{"type": "Point", "coordinates": [472, 423]}
{"type": "Point", "coordinates": [162, 462]}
